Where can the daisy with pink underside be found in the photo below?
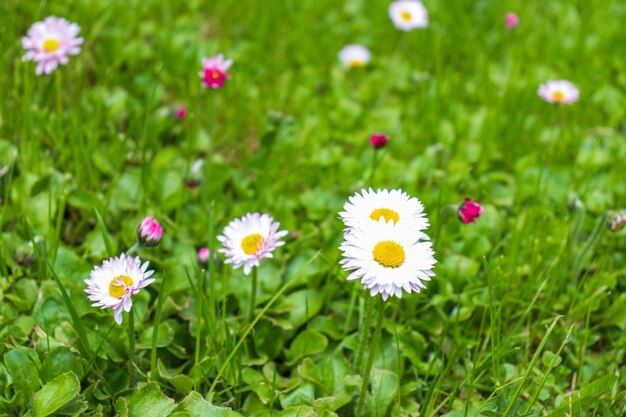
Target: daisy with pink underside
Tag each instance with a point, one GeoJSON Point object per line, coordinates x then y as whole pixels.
{"type": "Point", "coordinates": [249, 239]}
{"type": "Point", "coordinates": [559, 92]}
{"type": "Point", "coordinates": [112, 284]}
{"type": "Point", "coordinates": [49, 43]}
{"type": "Point", "coordinates": [214, 71]}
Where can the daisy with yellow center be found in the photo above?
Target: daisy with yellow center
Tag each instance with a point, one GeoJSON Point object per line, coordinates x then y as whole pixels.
{"type": "Point", "coordinates": [408, 14]}
{"type": "Point", "coordinates": [396, 206]}
{"type": "Point", "coordinates": [559, 92]}
{"type": "Point", "coordinates": [388, 258]}
{"type": "Point", "coordinates": [112, 284]}
{"type": "Point", "coordinates": [354, 56]}
{"type": "Point", "coordinates": [249, 239]}
{"type": "Point", "coordinates": [50, 43]}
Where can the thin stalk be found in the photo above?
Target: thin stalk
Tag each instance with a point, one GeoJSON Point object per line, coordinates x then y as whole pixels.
{"type": "Point", "coordinates": [276, 296]}
{"type": "Point", "coordinates": [155, 330]}
{"type": "Point", "coordinates": [253, 295]}
{"type": "Point", "coordinates": [199, 300]}
{"type": "Point", "coordinates": [131, 345]}
{"type": "Point", "coordinates": [374, 165]}
{"type": "Point", "coordinates": [534, 359]}
{"type": "Point", "coordinates": [367, 321]}
{"type": "Point", "coordinates": [370, 358]}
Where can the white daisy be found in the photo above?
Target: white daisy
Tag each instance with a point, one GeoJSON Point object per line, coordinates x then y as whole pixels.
{"type": "Point", "coordinates": [250, 238]}
{"type": "Point", "coordinates": [408, 14]}
{"type": "Point", "coordinates": [387, 258]}
{"type": "Point", "coordinates": [49, 43]}
{"type": "Point", "coordinates": [371, 206]}
{"type": "Point", "coordinates": [114, 283]}
{"type": "Point", "coordinates": [558, 91]}
{"type": "Point", "coordinates": [354, 56]}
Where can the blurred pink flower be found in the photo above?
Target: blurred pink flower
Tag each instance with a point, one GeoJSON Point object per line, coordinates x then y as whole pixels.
{"type": "Point", "coordinates": [379, 140]}
{"type": "Point", "coordinates": [469, 211]}
{"type": "Point", "coordinates": [618, 222]}
{"type": "Point", "coordinates": [213, 72]}
{"type": "Point", "coordinates": [203, 256]}
{"type": "Point", "coordinates": [511, 20]}
{"type": "Point", "coordinates": [149, 232]}
{"type": "Point", "coordinates": [181, 112]}
{"type": "Point", "coordinates": [50, 42]}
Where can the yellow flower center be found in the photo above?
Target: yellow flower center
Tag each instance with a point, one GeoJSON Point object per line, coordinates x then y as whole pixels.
{"type": "Point", "coordinates": [386, 213]}
{"type": "Point", "coordinates": [558, 96]}
{"type": "Point", "coordinates": [118, 285]}
{"type": "Point", "coordinates": [355, 63]}
{"type": "Point", "coordinates": [215, 74]}
{"type": "Point", "coordinates": [406, 16]}
{"type": "Point", "coordinates": [252, 243]}
{"type": "Point", "coordinates": [51, 45]}
{"type": "Point", "coordinates": [389, 254]}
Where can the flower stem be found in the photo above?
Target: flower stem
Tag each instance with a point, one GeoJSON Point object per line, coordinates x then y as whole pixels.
{"type": "Point", "coordinates": [367, 320]}
{"type": "Point", "coordinates": [253, 295]}
{"type": "Point", "coordinates": [133, 249]}
{"type": "Point", "coordinates": [155, 330]}
{"type": "Point", "coordinates": [131, 345]}
{"type": "Point", "coordinates": [370, 358]}
{"type": "Point", "coordinates": [199, 314]}
{"type": "Point", "coordinates": [374, 165]}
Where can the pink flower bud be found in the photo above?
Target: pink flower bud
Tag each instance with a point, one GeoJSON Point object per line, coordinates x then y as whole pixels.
{"type": "Point", "coordinates": [149, 232]}
{"type": "Point", "coordinates": [511, 20]}
{"type": "Point", "coordinates": [181, 113]}
{"type": "Point", "coordinates": [469, 211]}
{"type": "Point", "coordinates": [203, 256]}
{"type": "Point", "coordinates": [618, 222]}
{"type": "Point", "coordinates": [379, 140]}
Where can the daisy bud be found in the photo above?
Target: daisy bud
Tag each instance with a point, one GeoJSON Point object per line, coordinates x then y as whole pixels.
{"type": "Point", "coordinates": [618, 222]}
{"type": "Point", "coordinates": [25, 255]}
{"type": "Point", "coordinates": [203, 257]}
{"type": "Point", "coordinates": [149, 232]}
{"type": "Point", "coordinates": [469, 211]}
{"type": "Point", "coordinates": [379, 141]}
{"type": "Point", "coordinates": [511, 20]}
{"type": "Point", "coordinates": [181, 112]}
{"type": "Point", "coordinates": [194, 178]}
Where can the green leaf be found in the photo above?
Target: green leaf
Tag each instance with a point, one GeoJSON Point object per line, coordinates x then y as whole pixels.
{"type": "Point", "coordinates": [55, 394]}
{"type": "Point", "coordinates": [165, 336]}
{"type": "Point", "coordinates": [303, 305]}
{"type": "Point", "coordinates": [550, 360]}
{"type": "Point", "coordinates": [24, 373]}
{"type": "Point", "coordinates": [308, 342]}
{"type": "Point", "coordinates": [105, 234]}
{"type": "Point", "coordinates": [586, 397]}
{"type": "Point", "coordinates": [384, 388]}
{"type": "Point", "coordinates": [196, 406]}
{"type": "Point", "coordinates": [149, 401]}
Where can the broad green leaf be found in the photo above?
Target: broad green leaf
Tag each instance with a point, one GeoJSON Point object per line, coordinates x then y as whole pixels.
{"type": "Point", "coordinates": [24, 373]}
{"type": "Point", "coordinates": [196, 406]}
{"type": "Point", "coordinates": [149, 401]}
{"type": "Point", "coordinates": [308, 342]}
{"type": "Point", "coordinates": [55, 394]}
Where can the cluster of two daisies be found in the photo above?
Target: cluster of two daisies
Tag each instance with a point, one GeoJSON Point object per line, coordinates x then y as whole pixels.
{"type": "Point", "coordinates": [384, 246]}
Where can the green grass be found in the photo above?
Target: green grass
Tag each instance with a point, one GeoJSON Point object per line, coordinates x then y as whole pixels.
{"type": "Point", "coordinates": [527, 311]}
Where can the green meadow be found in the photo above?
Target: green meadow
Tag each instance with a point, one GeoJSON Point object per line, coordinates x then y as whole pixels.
{"type": "Point", "coordinates": [526, 312]}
